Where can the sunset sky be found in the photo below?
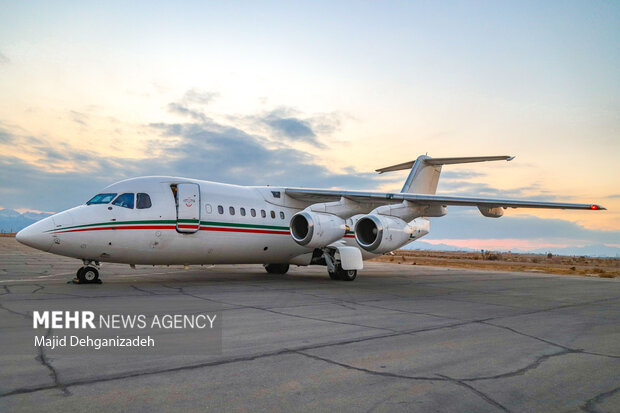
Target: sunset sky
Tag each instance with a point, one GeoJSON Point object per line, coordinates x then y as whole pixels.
{"type": "Point", "coordinates": [320, 94]}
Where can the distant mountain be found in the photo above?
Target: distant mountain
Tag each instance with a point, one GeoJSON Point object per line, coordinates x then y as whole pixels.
{"type": "Point", "coordinates": [421, 245]}
{"type": "Point", "coordinates": [594, 250]}
{"type": "Point", "coordinates": [13, 221]}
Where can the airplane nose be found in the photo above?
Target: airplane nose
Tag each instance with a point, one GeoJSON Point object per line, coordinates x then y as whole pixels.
{"type": "Point", "coordinates": [36, 235]}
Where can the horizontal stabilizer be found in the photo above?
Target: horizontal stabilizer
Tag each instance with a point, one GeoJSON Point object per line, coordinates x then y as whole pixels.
{"type": "Point", "coordinates": [445, 161]}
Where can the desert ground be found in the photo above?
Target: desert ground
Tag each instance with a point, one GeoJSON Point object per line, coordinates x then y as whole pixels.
{"type": "Point", "coordinates": [503, 261]}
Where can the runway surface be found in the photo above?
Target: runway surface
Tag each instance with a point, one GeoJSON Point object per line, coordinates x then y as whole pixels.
{"type": "Point", "coordinates": [399, 338]}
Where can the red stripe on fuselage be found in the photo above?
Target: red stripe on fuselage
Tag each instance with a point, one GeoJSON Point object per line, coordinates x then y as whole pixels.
{"type": "Point", "coordinates": [107, 228]}
{"type": "Point", "coordinates": [255, 231]}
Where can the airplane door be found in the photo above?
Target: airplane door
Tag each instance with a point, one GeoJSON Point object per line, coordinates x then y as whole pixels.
{"type": "Point", "coordinates": [188, 207]}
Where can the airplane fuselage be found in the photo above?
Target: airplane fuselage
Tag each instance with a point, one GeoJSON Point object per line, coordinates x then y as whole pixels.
{"type": "Point", "coordinates": [238, 225]}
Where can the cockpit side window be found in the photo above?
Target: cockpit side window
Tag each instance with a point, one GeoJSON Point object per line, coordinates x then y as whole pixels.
{"type": "Point", "coordinates": [143, 201]}
{"type": "Point", "coordinates": [124, 200]}
{"type": "Point", "coordinates": [101, 199]}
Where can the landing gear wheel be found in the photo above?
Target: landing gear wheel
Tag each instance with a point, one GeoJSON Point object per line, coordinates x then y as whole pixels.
{"type": "Point", "coordinates": [347, 275]}
{"type": "Point", "coordinates": [277, 268]}
{"type": "Point", "coordinates": [88, 275]}
{"type": "Point", "coordinates": [342, 275]}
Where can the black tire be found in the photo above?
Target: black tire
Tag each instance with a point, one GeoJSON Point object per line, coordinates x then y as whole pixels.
{"type": "Point", "coordinates": [342, 275]}
{"type": "Point", "coordinates": [88, 275]}
{"type": "Point", "coordinates": [347, 275]}
{"type": "Point", "coordinates": [277, 268]}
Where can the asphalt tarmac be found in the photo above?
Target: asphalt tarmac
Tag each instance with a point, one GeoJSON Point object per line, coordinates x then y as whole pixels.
{"type": "Point", "coordinates": [399, 338]}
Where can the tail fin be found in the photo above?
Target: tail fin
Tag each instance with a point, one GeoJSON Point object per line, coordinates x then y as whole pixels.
{"type": "Point", "coordinates": [425, 171]}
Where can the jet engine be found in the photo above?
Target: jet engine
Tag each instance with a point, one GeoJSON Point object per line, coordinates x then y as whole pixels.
{"type": "Point", "coordinates": [316, 229]}
{"type": "Point", "coordinates": [381, 233]}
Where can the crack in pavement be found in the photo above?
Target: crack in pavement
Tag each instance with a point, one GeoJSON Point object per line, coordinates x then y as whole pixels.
{"type": "Point", "coordinates": [368, 371]}
{"type": "Point", "coordinates": [41, 356]}
{"type": "Point", "coordinates": [590, 405]}
{"type": "Point", "coordinates": [519, 372]}
{"type": "Point", "coordinates": [484, 396]}
{"type": "Point", "coordinates": [570, 349]}
{"type": "Point", "coordinates": [143, 290]}
{"type": "Point", "coordinates": [183, 292]}
{"type": "Point", "coordinates": [406, 377]}
{"type": "Point", "coordinates": [133, 374]}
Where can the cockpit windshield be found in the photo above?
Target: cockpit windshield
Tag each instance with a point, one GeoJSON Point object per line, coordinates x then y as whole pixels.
{"type": "Point", "coordinates": [125, 201]}
{"type": "Point", "coordinates": [101, 199]}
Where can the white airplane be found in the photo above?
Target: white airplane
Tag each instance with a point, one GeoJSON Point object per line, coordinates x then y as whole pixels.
{"type": "Point", "coordinates": [161, 220]}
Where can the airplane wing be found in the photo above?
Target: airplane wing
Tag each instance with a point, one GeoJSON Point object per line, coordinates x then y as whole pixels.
{"type": "Point", "coordinates": [327, 195]}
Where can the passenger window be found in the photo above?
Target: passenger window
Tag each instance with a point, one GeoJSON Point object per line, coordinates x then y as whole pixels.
{"type": "Point", "coordinates": [263, 213]}
{"type": "Point", "coordinates": [242, 211]}
{"type": "Point", "coordinates": [220, 209]}
{"type": "Point", "coordinates": [231, 210]}
{"type": "Point", "coordinates": [281, 215]}
{"type": "Point", "coordinates": [208, 208]}
{"type": "Point", "coordinates": [253, 212]}
{"type": "Point", "coordinates": [143, 201]}
{"type": "Point", "coordinates": [101, 199]}
{"type": "Point", "coordinates": [273, 215]}
{"type": "Point", "coordinates": [124, 200]}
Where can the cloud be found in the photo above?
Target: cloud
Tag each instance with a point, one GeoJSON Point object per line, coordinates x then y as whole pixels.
{"type": "Point", "coordinates": [78, 117]}
{"type": "Point", "coordinates": [460, 175]}
{"type": "Point", "coordinates": [197, 96]}
{"type": "Point", "coordinates": [223, 153]}
{"type": "Point", "coordinates": [186, 105]}
{"type": "Point", "coordinates": [200, 148]}
{"type": "Point", "coordinates": [283, 123]}
{"type": "Point", "coordinates": [4, 60]}
{"type": "Point", "coordinates": [5, 137]}
{"type": "Point", "coordinates": [181, 109]}
{"type": "Point", "coordinates": [293, 128]}
{"type": "Point", "coordinates": [287, 123]}
{"type": "Point", "coordinates": [464, 187]}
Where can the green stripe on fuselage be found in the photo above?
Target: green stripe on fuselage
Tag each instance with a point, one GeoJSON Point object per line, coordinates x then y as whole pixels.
{"type": "Point", "coordinates": [114, 223]}
{"type": "Point", "coordinates": [237, 225]}
{"type": "Point", "coordinates": [171, 222]}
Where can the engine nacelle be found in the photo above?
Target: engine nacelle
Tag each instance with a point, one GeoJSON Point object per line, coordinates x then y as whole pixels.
{"type": "Point", "coordinates": [491, 212]}
{"type": "Point", "coordinates": [316, 229]}
{"type": "Point", "coordinates": [381, 233]}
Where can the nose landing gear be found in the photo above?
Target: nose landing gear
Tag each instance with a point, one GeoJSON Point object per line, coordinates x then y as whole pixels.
{"type": "Point", "coordinates": [88, 274]}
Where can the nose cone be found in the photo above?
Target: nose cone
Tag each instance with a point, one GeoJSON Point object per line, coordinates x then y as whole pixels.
{"type": "Point", "coordinates": [36, 235]}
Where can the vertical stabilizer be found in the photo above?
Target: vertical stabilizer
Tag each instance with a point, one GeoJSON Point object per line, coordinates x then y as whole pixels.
{"type": "Point", "coordinates": [423, 178]}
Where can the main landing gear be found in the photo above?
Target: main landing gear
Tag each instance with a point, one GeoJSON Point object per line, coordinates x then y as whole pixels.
{"type": "Point", "coordinates": [277, 268]}
{"type": "Point", "coordinates": [88, 274]}
{"type": "Point", "coordinates": [335, 270]}
{"type": "Point", "coordinates": [341, 274]}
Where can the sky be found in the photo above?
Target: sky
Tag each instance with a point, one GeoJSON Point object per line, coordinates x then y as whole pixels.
{"type": "Point", "coordinates": [321, 94]}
